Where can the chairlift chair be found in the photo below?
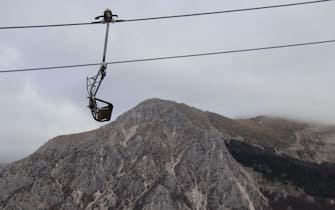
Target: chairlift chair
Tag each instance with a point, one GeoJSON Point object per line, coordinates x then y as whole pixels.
{"type": "Point", "coordinates": [100, 114]}
{"type": "Point", "coordinates": [103, 113]}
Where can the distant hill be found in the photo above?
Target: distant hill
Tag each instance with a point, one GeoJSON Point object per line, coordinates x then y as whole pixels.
{"type": "Point", "coordinates": [166, 155]}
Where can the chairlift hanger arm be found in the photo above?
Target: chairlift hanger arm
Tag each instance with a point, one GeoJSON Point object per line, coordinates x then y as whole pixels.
{"type": "Point", "coordinates": [93, 83]}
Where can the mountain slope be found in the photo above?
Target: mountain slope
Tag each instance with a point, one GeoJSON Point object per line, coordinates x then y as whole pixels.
{"type": "Point", "coordinates": [165, 155]}
{"type": "Point", "coordinates": [159, 155]}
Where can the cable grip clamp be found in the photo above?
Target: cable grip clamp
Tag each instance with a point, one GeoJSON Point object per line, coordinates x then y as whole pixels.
{"type": "Point", "coordinates": [107, 17]}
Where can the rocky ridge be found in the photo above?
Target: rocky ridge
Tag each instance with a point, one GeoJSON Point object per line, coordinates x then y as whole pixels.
{"type": "Point", "coordinates": [159, 155]}
{"type": "Point", "coordinates": [165, 155]}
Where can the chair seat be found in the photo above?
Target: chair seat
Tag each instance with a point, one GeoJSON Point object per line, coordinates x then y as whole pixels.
{"type": "Point", "coordinates": [104, 113]}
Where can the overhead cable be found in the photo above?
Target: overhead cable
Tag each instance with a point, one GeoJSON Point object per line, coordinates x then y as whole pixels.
{"type": "Point", "coordinates": [171, 16]}
{"type": "Point", "coordinates": [226, 11]}
{"type": "Point", "coordinates": [169, 57]}
{"type": "Point", "coordinates": [49, 25]}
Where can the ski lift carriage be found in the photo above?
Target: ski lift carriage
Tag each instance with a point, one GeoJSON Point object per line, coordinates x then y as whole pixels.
{"type": "Point", "coordinates": [100, 113]}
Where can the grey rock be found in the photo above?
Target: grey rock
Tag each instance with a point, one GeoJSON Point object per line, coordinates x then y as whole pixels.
{"type": "Point", "coordinates": [293, 162]}
{"type": "Point", "coordinates": [300, 140]}
{"type": "Point", "coordinates": [159, 155]}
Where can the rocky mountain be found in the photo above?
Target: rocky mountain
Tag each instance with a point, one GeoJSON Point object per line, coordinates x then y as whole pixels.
{"type": "Point", "coordinates": [165, 155]}
{"type": "Point", "coordinates": [293, 162]}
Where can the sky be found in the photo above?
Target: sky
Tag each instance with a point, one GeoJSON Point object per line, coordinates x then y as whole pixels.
{"type": "Point", "coordinates": [37, 106]}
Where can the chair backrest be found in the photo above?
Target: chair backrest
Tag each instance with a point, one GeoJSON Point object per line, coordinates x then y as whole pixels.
{"type": "Point", "coordinates": [104, 113]}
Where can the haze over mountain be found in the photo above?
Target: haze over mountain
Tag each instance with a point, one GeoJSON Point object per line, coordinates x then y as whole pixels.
{"type": "Point", "coordinates": [165, 155]}
{"type": "Point", "coordinates": [293, 82]}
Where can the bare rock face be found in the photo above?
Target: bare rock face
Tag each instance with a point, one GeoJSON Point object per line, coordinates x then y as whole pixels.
{"type": "Point", "coordinates": [159, 155]}
{"type": "Point", "coordinates": [165, 155]}
{"type": "Point", "coordinates": [308, 142]}
{"type": "Point", "coordinates": [293, 162]}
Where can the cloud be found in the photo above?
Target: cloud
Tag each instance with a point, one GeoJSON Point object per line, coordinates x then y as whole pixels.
{"type": "Point", "coordinates": [287, 82]}
{"type": "Point", "coordinates": [29, 119]}
{"type": "Point", "coordinates": [9, 56]}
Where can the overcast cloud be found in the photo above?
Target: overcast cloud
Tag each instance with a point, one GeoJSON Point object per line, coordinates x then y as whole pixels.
{"type": "Point", "coordinates": [37, 106]}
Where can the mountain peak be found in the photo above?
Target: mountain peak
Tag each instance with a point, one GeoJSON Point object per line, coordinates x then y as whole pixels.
{"type": "Point", "coordinates": [167, 112]}
{"type": "Point", "coordinates": [156, 101]}
{"type": "Point", "coordinates": [159, 155]}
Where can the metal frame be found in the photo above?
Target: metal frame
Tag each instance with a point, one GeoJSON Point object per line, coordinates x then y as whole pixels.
{"type": "Point", "coordinates": [100, 114]}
